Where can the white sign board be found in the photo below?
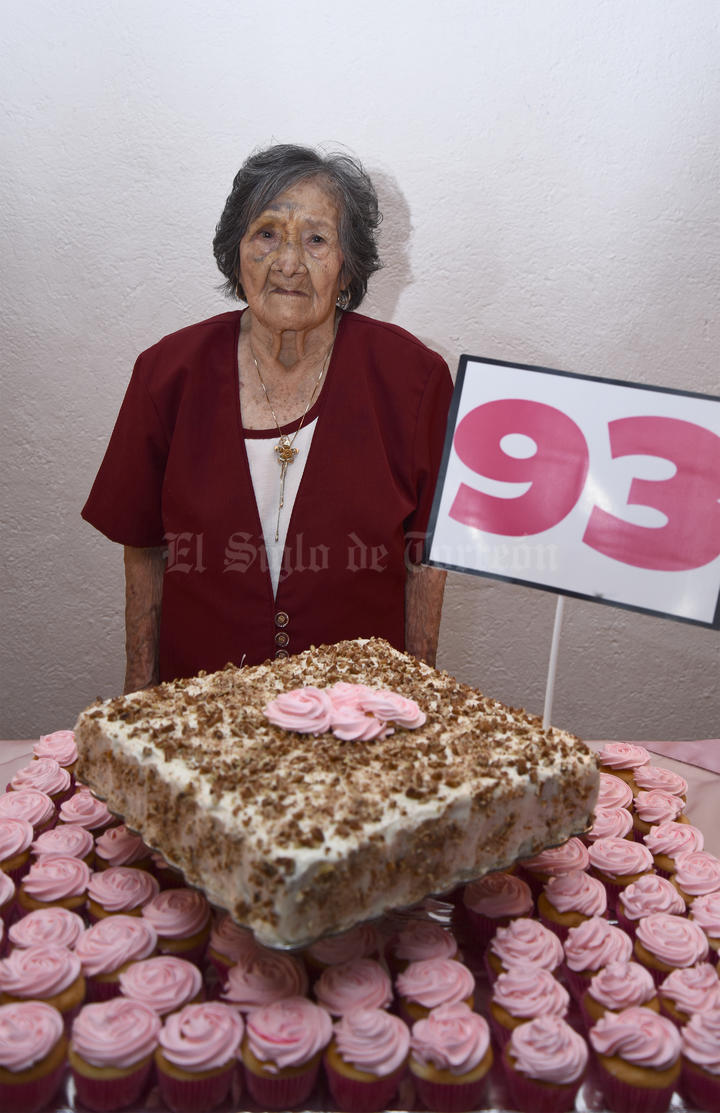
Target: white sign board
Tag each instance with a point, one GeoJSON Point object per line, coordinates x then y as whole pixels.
{"type": "Point", "coordinates": [589, 487]}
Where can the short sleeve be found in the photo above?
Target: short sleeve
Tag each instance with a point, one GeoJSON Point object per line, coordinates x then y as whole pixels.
{"type": "Point", "coordinates": [428, 449]}
{"type": "Point", "coordinates": [125, 502]}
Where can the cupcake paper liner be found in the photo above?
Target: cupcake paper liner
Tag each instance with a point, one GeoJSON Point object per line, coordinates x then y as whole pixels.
{"type": "Point", "coordinates": [30, 1097]}
{"type": "Point", "coordinates": [196, 1095]}
{"type": "Point", "coordinates": [700, 1088]}
{"type": "Point", "coordinates": [533, 1096]}
{"type": "Point", "coordinates": [352, 1095]}
{"type": "Point", "coordinates": [621, 1097]}
{"type": "Point", "coordinates": [281, 1093]}
{"type": "Point", "coordinates": [103, 1095]}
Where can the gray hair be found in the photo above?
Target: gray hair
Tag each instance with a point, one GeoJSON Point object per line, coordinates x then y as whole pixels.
{"type": "Point", "coordinates": [268, 173]}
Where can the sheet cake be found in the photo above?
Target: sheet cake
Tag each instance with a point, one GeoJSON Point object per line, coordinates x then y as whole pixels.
{"type": "Point", "coordinates": [300, 836]}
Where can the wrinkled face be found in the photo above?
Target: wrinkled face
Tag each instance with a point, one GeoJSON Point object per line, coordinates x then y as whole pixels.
{"type": "Point", "coordinates": [290, 259]}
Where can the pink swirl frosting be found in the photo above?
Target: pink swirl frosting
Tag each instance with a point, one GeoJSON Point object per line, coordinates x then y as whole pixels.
{"type": "Point", "coordinates": [620, 857]}
{"type": "Point", "coordinates": [69, 840]}
{"type": "Point", "coordinates": [549, 1050]}
{"type": "Point", "coordinates": [360, 983]}
{"type": "Point", "coordinates": [54, 925]}
{"type": "Point", "coordinates": [119, 847]}
{"type": "Point", "coordinates": [359, 942]}
{"type": "Point", "coordinates": [697, 872]}
{"type": "Point", "coordinates": [572, 855]}
{"type": "Point", "coordinates": [56, 877]}
{"type": "Point", "coordinates": [619, 985]}
{"type": "Point", "coordinates": [650, 777]}
{"type": "Point", "coordinates": [528, 991]}
{"type": "Point", "coordinates": [372, 1040]}
{"type": "Point", "coordinates": [657, 806]}
{"type": "Point", "coordinates": [164, 982]}
{"type": "Point", "coordinates": [705, 911]}
{"type": "Point", "coordinates": [203, 1036]}
{"type": "Point", "coordinates": [86, 810]}
{"type": "Point", "coordinates": [498, 895]}
{"type": "Point", "coordinates": [649, 894]}
{"type": "Point", "coordinates": [38, 971]}
{"type": "Point", "coordinates": [264, 976]}
{"type": "Point", "coordinates": [176, 913]}
{"type": "Point", "coordinates": [354, 712]}
{"type": "Point", "coordinates": [16, 835]}
{"type": "Point", "coordinates": [59, 745]}
{"type": "Point", "coordinates": [451, 1037]}
{"type": "Point", "coordinates": [623, 755]}
{"type": "Point", "coordinates": [287, 1033]}
{"type": "Point", "coordinates": [595, 943]}
{"type": "Point", "coordinates": [435, 981]}
{"type": "Point", "coordinates": [29, 1030]}
{"type": "Point", "coordinates": [673, 939]}
{"type": "Point", "coordinates": [44, 774]}
{"type": "Point", "coordinates": [692, 989]}
{"type": "Point", "coordinates": [421, 939]}
{"type": "Point", "coordinates": [391, 707]}
{"type": "Point", "coordinates": [577, 891]}
{"type": "Point", "coordinates": [701, 1040]}
{"type": "Point", "coordinates": [121, 888]}
{"type": "Point", "coordinates": [30, 804]}
{"type": "Point", "coordinates": [306, 710]}
{"type": "Point", "coordinates": [115, 941]}
{"type": "Point", "coordinates": [613, 792]}
{"type": "Point", "coordinates": [639, 1036]}
{"type": "Point", "coordinates": [527, 941]}
{"type": "Point", "coordinates": [610, 823]}
{"type": "Point", "coordinates": [116, 1033]}
{"type": "Point", "coordinates": [231, 940]}
{"type": "Point", "coordinates": [7, 889]}
{"type": "Point", "coordinates": [673, 838]}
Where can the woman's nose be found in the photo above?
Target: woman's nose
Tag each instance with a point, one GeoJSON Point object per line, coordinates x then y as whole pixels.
{"type": "Point", "coordinates": [289, 256]}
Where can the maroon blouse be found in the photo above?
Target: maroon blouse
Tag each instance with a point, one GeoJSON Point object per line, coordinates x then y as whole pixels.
{"type": "Point", "coordinates": [176, 473]}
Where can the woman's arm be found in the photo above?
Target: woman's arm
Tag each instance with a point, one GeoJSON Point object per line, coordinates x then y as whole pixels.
{"type": "Point", "coordinates": [144, 570]}
{"type": "Point", "coordinates": [424, 589]}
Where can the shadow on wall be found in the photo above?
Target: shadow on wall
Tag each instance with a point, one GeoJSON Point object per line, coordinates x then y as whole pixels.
{"type": "Point", "coordinates": [387, 285]}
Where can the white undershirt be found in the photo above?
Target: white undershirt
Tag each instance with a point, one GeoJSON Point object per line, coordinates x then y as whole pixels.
{"type": "Point", "coordinates": [265, 474]}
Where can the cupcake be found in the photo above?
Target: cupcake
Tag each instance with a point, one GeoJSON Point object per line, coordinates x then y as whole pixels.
{"type": "Point", "coordinates": [30, 804]}
{"type": "Point", "coordinates": [118, 846]}
{"type": "Point", "coordinates": [163, 983]}
{"type": "Point", "coordinates": [362, 941]}
{"type": "Point", "coordinates": [86, 810]}
{"type": "Point", "coordinates": [621, 759]}
{"type": "Point", "coordinates": [450, 1057]}
{"type": "Point", "coordinates": [570, 898]}
{"type": "Point", "coordinates": [616, 823]}
{"type": "Point", "coordinates": [705, 911]}
{"type": "Point", "coordinates": [697, 873]}
{"type": "Point", "coordinates": [653, 808]}
{"type": "Point", "coordinates": [264, 976]}
{"type": "Point", "coordinates": [120, 889]}
{"type": "Point", "coordinates": [54, 880]}
{"type": "Point", "coordinates": [523, 941]}
{"type": "Point", "coordinates": [664, 942]}
{"type": "Point", "coordinates": [651, 777]}
{"type": "Point", "coordinates": [361, 983]}
{"type": "Point", "coordinates": [418, 940]}
{"type": "Point", "coordinates": [111, 1052]}
{"type": "Point", "coordinates": [666, 840]}
{"type": "Point", "coordinates": [67, 840]}
{"type": "Point", "coordinates": [60, 745]}
{"type": "Point", "coordinates": [613, 793]}
{"type": "Point", "coordinates": [544, 1062]}
{"type": "Point", "coordinates": [492, 902]}
{"type": "Point", "coordinates": [618, 986]}
{"type": "Point", "coordinates": [701, 1060]}
{"type": "Point", "coordinates": [108, 947]}
{"type": "Point", "coordinates": [617, 863]}
{"type": "Point", "coordinates": [281, 1051]}
{"type": "Point", "coordinates": [590, 946]}
{"type": "Point", "coordinates": [182, 920]}
{"type": "Point", "coordinates": [197, 1057]}
{"type": "Point", "coordinates": [228, 943]}
{"type": "Point", "coordinates": [7, 899]}
{"type": "Point", "coordinates": [521, 994]}
{"type": "Point", "coordinates": [425, 985]}
{"type": "Point", "coordinates": [689, 990]}
{"type": "Point", "coordinates": [366, 1060]}
{"type": "Point", "coordinates": [166, 875]}
{"type": "Point", "coordinates": [46, 775]}
{"type": "Point", "coordinates": [570, 856]}
{"type": "Point", "coordinates": [637, 1060]}
{"type": "Point", "coordinates": [16, 836]}
{"type": "Point", "coordinates": [33, 1051]}
{"type": "Point", "coordinates": [43, 972]}
{"type": "Point", "coordinates": [648, 894]}
{"type": "Point", "coordinates": [47, 925]}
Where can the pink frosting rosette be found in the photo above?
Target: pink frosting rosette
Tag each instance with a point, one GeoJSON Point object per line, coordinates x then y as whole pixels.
{"type": "Point", "coordinates": [287, 1033]}
{"type": "Point", "coordinates": [360, 983]}
{"type": "Point", "coordinates": [177, 913]}
{"type": "Point", "coordinates": [115, 941]}
{"type": "Point", "coordinates": [526, 941]}
{"type": "Point", "coordinates": [68, 840]}
{"type": "Point", "coordinates": [435, 981]}
{"type": "Point", "coordinates": [44, 774]}
{"type": "Point", "coordinates": [30, 804]}
{"type": "Point", "coordinates": [692, 989]}
{"type": "Point", "coordinates": [29, 1030]}
{"type": "Point", "coordinates": [623, 755]}
{"type": "Point", "coordinates": [203, 1036]}
{"type": "Point", "coordinates": [526, 991]}
{"type": "Point", "coordinates": [117, 1033]}
{"type": "Point", "coordinates": [120, 847]}
{"type": "Point", "coordinates": [122, 888]}
{"type": "Point", "coordinates": [16, 835]}
{"type": "Point", "coordinates": [354, 712]}
{"type": "Point", "coordinates": [38, 971]}
{"type": "Point", "coordinates": [620, 985]}
{"type": "Point", "coordinates": [650, 777]}
{"type": "Point", "coordinates": [613, 793]}
{"type": "Point", "coordinates": [373, 1040]}
{"type": "Point", "coordinates": [55, 925]}
{"type": "Point", "coordinates": [86, 810]}
{"type": "Point", "coordinates": [391, 707]}
{"type": "Point", "coordinates": [231, 941]}
{"type": "Point", "coordinates": [264, 976]}
{"type": "Point", "coordinates": [656, 806]}
{"type": "Point", "coordinates": [577, 891]}
{"type": "Point", "coordinates": [422, 939]}
{"type": "Point", "coordinates": [638, 1035]}
{"type": "Point", "coordinates": [697, 873]}
{"type": "Point", "coordinates": [498, 896]}
{"type": "Point", "coordinates": [673, 940]}
{"type": "Point", "coordinates": [701, 1041]}
{"type": "Point", "coordinates": [7, 892]}
{"type": "Point", "coordinates": [60, 745]}
{"type": "Point", "coordinates": [647, 895]}
{"type": "Point", "coordinates": [361, 941]}
{"type": "Point", "coordinates": [305, 710]}
{"type": "Point", "coordinates": [547, 1049]}
{"type": "Point", "coordinates": [595, 943]}
{"type": "Point", "coordinates": [56, 877]}
{"type": "Point", "coordinates": [619, 857]}
{"type": "Point", "coordinates": [670, 838]}
{"type": "Point", "coordinates": [571, 855]}
{"type": "Point", "coordinates": [705, 911]}
{"type": "Point", "coordinates": [163, 982]}
{"type": "Point", "coordinates": [610, 823]}
{"type": "Point", "coordinates": [451, 1037]}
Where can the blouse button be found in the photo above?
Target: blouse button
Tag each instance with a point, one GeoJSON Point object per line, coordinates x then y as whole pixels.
{"type": "Point", "coordinates": [281, 638]}
{"type": "Point", "coordinates": [281, 653]}
{"type": "Point", "coordinates": [281, 618]}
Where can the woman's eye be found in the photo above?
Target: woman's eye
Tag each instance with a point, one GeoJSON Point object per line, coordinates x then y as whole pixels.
{"type": "Point", "coordinates": [317, 238]}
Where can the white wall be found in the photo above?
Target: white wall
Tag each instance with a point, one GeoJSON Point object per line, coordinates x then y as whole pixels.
{"type": "Point", "coordinates": [549, 174]}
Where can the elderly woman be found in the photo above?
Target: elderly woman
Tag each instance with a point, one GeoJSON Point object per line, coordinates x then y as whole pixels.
{"type": "Point", "coordinates": [272, 469]}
